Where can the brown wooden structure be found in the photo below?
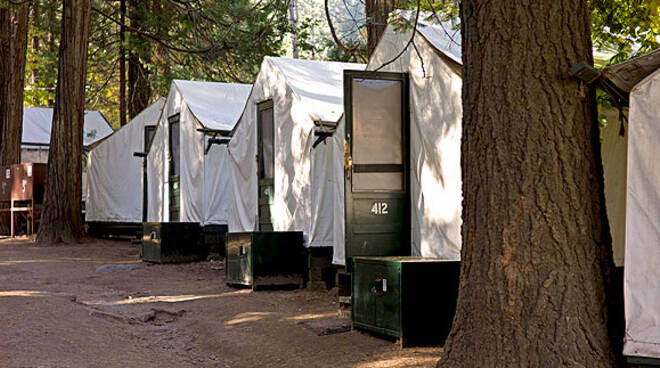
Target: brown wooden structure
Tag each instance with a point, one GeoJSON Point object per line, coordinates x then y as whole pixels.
{"type": "Point", "coordinates": [22, 189]}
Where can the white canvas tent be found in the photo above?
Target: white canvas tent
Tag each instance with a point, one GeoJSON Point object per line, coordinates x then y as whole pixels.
{"type": "Point", "coordinates": [640, 78]}
{"type": "Point", "coordinates": [114, 176]}
{"type": "Point", "coordinates": [435, 125]}
{"type": "Point", "coordinates": [37, 123]}
{"type": "Point", "coordinates": [304, 93]}
{"type": "Point", "coordinates": [35, 140]}
{"type": "Point", "coordinates": [214, 108]}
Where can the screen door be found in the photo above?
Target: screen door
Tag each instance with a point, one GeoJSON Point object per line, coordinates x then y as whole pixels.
{"type": "Point", "coordinates": [266, 162]}
{"type": "Point", "coordinates": [376, 167]}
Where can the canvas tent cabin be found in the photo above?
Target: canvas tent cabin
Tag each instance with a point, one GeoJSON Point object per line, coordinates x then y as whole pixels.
{"type": "Point", "coordinates": [37, 124]}
{"type": "Point", "coordinates": [291, 185]}
{"type": "Point", "coordinates": [636, 84]}
{"type": "Point", "coordinates": [115, 202]}
{"type": "Point", "coordinates": [433, 112]}
{"type": "Point", "coordinates": [187, 160]}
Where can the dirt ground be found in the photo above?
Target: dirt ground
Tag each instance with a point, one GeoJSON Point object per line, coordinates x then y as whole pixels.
{"type": "Point", "coordinates": [97, 305]}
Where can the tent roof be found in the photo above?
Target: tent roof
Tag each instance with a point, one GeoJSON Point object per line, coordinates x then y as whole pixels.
{"type": "Point", "coordinates": [215, 105]}
{"type": "Point", "coordinates": [444, 36]}
{"type": "Point", "coordinates": [150, 112]}
{"type": "Point", "coordinates": [318, 84]}
{"type": "Point", "coordinates": [37, 124]}
{"type": "Point", "coordinates": [628, 74]}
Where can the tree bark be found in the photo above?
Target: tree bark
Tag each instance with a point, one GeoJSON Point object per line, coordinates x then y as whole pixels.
{"type": "Point", "coordinates": [62, 217]}
{"type": "Point", "coordinates": [13, 51]}
{"type": "Point", "coordinates": [377, 12]}
{"type": "Point", "coordinates": [291, 4]}
{"type": "Point", "coordinates": [122, 63]}
{"type": "Point", "coordinates": [139, 84]}
{"type": "Point", "coordinates": [536, 250]}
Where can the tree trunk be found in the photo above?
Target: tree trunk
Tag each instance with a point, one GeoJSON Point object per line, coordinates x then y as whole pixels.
{"type": "Point", "coordinates": [62, 217]}
{"type": "Point", "coordinates": [13, 49]}
{"type": "Point", "coordinates": [122, 63]}
{"type": "Point", "coordinates": [139, 85]}
{"type": "Point", "coordinates": [294, 27]}
{"type": "Point", "coordinates": [536, 255]}
{"type": "Point", "coordinates": [377, 12]}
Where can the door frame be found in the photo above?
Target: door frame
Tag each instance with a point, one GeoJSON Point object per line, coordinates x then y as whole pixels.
{"type": "Point", "coordinates": [261, 106]}
{"type": "Point", "coordinates": [145, 179]}
{"type": "Point", "coordinates": [174, 119]}
{"type": "Point", "coordinates": [349, 194]}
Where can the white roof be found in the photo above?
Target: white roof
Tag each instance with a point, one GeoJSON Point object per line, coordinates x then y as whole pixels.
{"type": "Point", "coordinates": [215, 105]}
{"type": "Point", "coordinates": [37, 123]}
{"type": "Point", "coordinates": [318, 84]}
{"type": "Point", "coordinates": [443, 36]}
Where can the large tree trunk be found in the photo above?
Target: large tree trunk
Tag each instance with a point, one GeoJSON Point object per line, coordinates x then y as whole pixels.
{"type": "Point", "coordinates": [536, 252]}
{"type": "Point", "coordinates": [139, 85]}
{"type": "Point", "coordinates": [377, 12]}
{"type": "Point", "coordinates": [62, 218]}
{"type": "Point", "coordinates": [13, 48]}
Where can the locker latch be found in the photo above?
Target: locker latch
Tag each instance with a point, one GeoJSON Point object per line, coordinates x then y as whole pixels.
{"type": "Point", "coordinates": [380, 286]}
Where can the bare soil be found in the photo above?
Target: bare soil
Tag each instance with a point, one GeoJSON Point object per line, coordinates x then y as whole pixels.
{"type": "Point", "coordinates": [59, 309]}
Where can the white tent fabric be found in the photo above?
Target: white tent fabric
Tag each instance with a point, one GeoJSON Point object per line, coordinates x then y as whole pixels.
{"type": "Point", "coordinates": [642, 253]}
{"type": "Point", "coordinates": [208, 105]}
{"type": "Point", "coordinates": [37, 123]}
{"type": "Point", "coordinates": [114, 176]}
{"type": "Point", "coordinates": [302, 92]}
{"type": "Point", "coordinates": [435, 118]}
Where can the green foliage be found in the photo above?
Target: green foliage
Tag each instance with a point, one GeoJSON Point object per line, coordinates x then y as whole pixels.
{"type": "Point", "coordinates": [215, 40]}
{"type": "Point", "coordinates": [627, 27]}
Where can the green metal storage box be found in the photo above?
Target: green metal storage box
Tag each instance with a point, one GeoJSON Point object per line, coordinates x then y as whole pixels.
{"type": "Point", "coordinates": [172, 242]}
{"type": "Point", "coordinates": [412, 299]}
{"type": "Point", "coordinates": [640, 362]}
{"type": "Point", "coordinates": [215, 237]}
{"type": "Point", "coordinates": [266, 259]}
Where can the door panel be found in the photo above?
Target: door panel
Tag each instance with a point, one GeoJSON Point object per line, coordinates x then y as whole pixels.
{"type": "Point", "coordinates": [376, 172]}
{"type": "Point", "coordinates": [266, 163]}
{"type": "Point", "coordinates": [175, 166]}
{"type": "Point", "coordinates": [388, 308]}
{"type": "Point", "coordinates": [239, 259]}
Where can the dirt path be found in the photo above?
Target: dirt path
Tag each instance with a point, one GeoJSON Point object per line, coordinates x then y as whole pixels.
{"type": "Point", "coordinates": [58, 309]}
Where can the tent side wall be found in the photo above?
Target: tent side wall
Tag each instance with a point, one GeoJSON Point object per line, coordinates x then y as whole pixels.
{"type": "Point", "coordinates": [216, 185]}
{"type": "Point", "coordinates": [642, 253]}
{"type": "Point", "coordinates": [242, 151]}
{"type": "Point", "coordinates": [294, 207]}
{"type": "Point", "coordinates": [191, 172]}
{"type": "Point", "coordinates": [435, 125]}
{"type": "Point", "coordinates": [192, 166]}
{"type": "Point", "coordinates": [114, 176]}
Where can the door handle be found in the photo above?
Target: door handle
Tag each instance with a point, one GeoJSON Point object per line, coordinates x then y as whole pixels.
{"type": "Point", "coordinates": [380, 286]}
{"type": "Point", "coordinates": [348, 159]}
{"type": "Point", "coordinates": [242, 250]}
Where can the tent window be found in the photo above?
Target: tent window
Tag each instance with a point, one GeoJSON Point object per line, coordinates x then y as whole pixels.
{"type": "Point", "coordinates": [378, 135]}
{"type": "Point", "coordinates": [149, 132]}
{"type": "Point", "coordinates": [175, 147]}
{"type": "Point", "coordinates": [267, 137]}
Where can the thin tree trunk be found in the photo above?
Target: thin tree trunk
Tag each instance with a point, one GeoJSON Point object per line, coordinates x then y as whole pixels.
{"type": "Point", "coordinates": [62, 217]}
{"type": "Point", "coordinates": [377, 12]}
{"type": "Point", "coordinates": [536, 248]}
{"type": "Point", "coordinates": [122, 63]}
{"type": "Point", "coordinates": [13, 51]}
{"type": "Point", "coordinates": [294, 27]}
{"type": "Point", "coordinates": [139, 84]}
